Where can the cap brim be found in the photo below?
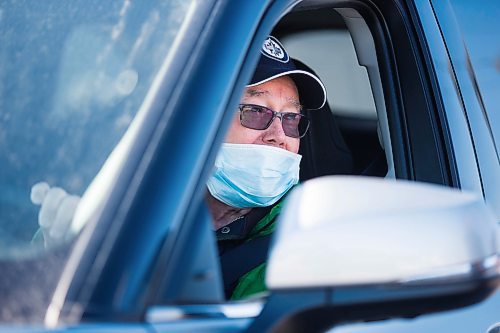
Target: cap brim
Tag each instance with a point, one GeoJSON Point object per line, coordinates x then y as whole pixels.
{"type": "Point", "coordinates": [312, 92]}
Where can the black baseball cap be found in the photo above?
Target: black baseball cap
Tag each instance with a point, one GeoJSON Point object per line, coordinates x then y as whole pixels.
{"type": "Point", "coordinates": [274, 62]}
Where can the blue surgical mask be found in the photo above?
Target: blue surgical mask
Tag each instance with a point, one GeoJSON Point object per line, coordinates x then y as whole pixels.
{"type": "Point", "coordinates": [249, 175]}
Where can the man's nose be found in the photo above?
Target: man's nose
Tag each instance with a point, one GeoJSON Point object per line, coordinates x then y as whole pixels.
{"type": "Point", "coordinates": [274, 134]}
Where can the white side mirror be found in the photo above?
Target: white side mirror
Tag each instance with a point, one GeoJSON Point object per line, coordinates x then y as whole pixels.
{"type": "Point", "coordinates": [347, 231]}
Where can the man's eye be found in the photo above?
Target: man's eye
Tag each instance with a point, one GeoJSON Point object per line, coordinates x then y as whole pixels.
{"type": "Point", "coordinates": [257, 109]}
{"type": "Point", "coordinates": [292, 116]}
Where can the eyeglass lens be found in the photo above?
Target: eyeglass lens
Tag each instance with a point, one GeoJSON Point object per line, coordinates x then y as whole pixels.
{"type": "Point", "coordinates": [257, 117]}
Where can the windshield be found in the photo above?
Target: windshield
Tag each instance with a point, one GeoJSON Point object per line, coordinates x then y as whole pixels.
{"type": "Point", "coordinates": [73, 75]}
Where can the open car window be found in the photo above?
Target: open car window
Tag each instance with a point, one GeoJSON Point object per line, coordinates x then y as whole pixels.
{"type": "Point", "coordinates": [342, 139]}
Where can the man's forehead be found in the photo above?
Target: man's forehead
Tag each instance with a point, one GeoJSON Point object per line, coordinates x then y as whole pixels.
{"type": "Point", "coordinates": [256, 92]}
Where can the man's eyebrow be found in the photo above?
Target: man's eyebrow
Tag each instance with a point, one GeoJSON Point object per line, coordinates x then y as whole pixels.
{"type": "Point", "coordinates": [256, 92]}
{"type": "Point", "coordinates": [295, 102]}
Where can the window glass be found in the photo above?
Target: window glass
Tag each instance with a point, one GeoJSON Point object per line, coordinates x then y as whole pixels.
{"type": "Point", "coordinates": [479, 24]}
{"type": "Point", "coordinates": [73, 75]}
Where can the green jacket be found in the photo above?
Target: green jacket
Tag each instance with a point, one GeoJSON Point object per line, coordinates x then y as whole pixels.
{"type": "Point", "coordinates": [253, 282]}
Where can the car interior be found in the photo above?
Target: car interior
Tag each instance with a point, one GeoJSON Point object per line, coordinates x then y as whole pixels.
{"type": "Point", "coordinates": [344, 134]}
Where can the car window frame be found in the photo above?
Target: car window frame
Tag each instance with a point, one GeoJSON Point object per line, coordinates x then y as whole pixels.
{"type": "Point", "coordinates": [391, 83]}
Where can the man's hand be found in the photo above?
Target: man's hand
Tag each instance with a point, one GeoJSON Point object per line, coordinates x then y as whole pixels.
{"type": "Point", "coordinates": [56, 212]}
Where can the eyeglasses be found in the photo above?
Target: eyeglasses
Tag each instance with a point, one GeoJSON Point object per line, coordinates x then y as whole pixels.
{"type": "Point", "coordinates": [258, 117]}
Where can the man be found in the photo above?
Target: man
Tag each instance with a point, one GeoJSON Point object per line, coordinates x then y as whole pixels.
{"type": "Point", "coordinates": [258, 164]}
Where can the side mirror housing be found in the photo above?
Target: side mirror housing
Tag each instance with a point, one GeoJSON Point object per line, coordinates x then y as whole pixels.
{"type": "Point", "coordinates": [359, 248]}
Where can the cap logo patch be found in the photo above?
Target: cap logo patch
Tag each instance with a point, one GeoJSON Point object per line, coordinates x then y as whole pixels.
{"type": "Point", "coordinates": [273, 49]}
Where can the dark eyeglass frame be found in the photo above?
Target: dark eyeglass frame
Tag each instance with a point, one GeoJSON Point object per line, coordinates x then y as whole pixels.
{"type": "Point", "coordinates": [275, 114]}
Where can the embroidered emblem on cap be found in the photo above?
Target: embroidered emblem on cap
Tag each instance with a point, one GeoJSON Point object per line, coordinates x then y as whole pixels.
{"type": "Point", "coordinates": [273, 49]}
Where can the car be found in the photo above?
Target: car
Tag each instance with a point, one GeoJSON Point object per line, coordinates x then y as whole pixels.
{"type": "Point", "coordinates": [123, 107]}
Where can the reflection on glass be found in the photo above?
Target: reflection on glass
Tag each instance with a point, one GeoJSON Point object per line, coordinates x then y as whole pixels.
{"type": "Point", "coordinates": [479, 24]}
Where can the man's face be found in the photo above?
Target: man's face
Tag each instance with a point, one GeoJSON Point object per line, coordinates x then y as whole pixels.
{"type": "Point", "coordinates": [280, 95]}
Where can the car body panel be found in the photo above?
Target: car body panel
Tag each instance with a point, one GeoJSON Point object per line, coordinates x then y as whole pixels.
{"type": "Point", "coordinates": [475, 318]}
